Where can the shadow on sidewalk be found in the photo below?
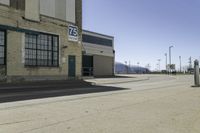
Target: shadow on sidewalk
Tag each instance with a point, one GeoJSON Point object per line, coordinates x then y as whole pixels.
{"type": "Point", "coordinates": [46, 89]}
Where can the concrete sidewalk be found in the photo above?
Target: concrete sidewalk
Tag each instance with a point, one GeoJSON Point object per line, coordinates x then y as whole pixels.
{"type": "Point", "coordinates": [117, 79]}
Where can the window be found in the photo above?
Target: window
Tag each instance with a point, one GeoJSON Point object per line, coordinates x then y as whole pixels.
{"type": "Point", "coordinates": [97, 40]}
{"type": "Point", "coordinates": [5, 2]}
{"type": "Point", "coordinates": [18, 4]}
{"type": "Point", "coordinates": [2, 48]}
{"type": "Point", "coordinates": [41, 50]}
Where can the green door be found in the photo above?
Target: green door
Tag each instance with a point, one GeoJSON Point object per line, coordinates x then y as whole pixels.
{"type": "Point", "coordinates": [72, 66]}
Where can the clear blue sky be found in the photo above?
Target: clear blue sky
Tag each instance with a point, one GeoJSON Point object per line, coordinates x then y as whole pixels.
{"type": "Point", "coordinates": [144, 29]}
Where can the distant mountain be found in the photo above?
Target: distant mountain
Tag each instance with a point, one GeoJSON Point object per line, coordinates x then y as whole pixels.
{"type": "Point", "coordinates": [121, 68]}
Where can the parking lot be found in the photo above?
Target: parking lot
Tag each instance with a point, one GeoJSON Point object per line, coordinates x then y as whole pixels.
{"type": "Point", "coordinates": [161, 104]}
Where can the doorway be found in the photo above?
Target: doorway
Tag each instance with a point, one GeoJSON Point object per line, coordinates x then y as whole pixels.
{"type": "Point", "coordinates": [72, 66]}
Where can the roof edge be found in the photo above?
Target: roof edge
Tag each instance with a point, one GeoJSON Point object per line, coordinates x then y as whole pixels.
{"type": "Point", "coordinates": [98, 33]}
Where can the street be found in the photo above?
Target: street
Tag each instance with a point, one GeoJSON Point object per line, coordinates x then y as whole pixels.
{"type": "Point", "coordinates": [46, 89]}
{"type": "Point", "coordinates": [152, 104]}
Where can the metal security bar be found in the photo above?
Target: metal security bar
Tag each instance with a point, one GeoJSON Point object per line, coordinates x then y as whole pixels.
{"type": "Point", "coordinates": [87, 71]}
{"type": "Point", "coordinates": [2, 48]}
{"type": "Point", "coordinates": [41, 50]}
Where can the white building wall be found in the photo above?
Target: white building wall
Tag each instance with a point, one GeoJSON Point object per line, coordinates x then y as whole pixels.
{"type": "Point", "coordinates": [5, 2]}
{"type": "Point", "coordinates": [96, 49]}
{"type": "Point", "coordinates": [103, 56]}
{"type": "Point", "coordinates": [92, 49]}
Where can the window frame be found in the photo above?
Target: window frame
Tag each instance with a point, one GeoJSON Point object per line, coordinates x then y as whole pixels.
{"type": "Point", "coordinates": [4, 48]}
{"type": "Point", "coordinates": [39, 43]}
{"type": "Point", "coordinates": [17, 4]}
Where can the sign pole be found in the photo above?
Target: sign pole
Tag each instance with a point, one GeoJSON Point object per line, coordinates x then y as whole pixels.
{"type": "Point", "coordinates": [196, 73]}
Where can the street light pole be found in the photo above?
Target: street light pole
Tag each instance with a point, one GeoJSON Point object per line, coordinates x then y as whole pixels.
{"type": "Point", "coordinates": [180, 64]}
{"type": "Point", "coordinates": [166, 60]}
{"type": "Point", "coordinates": [170, 58]}
{"type": "Point", "coordinates": [159, 64]}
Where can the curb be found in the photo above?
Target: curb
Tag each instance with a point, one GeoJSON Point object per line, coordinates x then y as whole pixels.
{"type": "Point", "coordinates": [120, 82]}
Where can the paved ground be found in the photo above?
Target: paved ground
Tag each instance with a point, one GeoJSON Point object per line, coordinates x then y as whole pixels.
{"type": "Point", "coordinates": [162, 104]}
{"type": "Point", "coordinates": [36, 90]}
{"type": "Point", "coordinates": [118, 79]}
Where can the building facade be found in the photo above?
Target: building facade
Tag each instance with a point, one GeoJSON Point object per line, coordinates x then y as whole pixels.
{"type": "Point", "coordinates": [98, 54]}
{"type": "Point", "coordinates": [40, 39]}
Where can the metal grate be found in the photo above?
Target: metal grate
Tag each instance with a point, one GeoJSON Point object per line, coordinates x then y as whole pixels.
{"type": "Point", "coordinates": [2, 48]}
{"type": "Point", "coordinates": [41, 50]}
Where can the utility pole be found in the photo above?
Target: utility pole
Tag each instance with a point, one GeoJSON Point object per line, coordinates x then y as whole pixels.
{"type": "Point", "coordinates": [196, 73]}
{"type": "Point", "coordinates": [190, 65]}
{"type": "Point", "coordinates": [190, 62]}
{"type": "Point", "coordinates": [170, 58]}
{"type": "Point", "coordinates": [166, 60]}
{"type": "Point", "coordinates": [180, 64]}
{"type": "Point", "coordinates": [159, 64]}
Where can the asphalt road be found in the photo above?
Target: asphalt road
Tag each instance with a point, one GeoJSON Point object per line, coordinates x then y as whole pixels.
{"type": "Point", "coordinates": [162, 104]}
{"type": "Point", "coordinates": [46, 89]}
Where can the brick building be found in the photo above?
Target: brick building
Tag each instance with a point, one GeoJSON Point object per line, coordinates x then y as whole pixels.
{"type": "Point", "coordinates": [40, 39]}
